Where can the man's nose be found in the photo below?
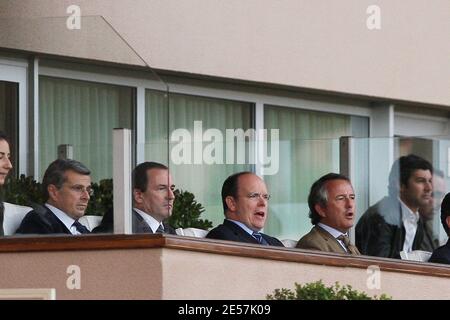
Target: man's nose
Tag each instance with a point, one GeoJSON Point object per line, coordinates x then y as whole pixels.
{"type": "Point", "coordinates": [170, 194]}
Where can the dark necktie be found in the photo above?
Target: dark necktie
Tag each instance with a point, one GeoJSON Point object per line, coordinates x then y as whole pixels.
{"type": "Point", "coordinates": [351, 249]}
{"type": "Point", "coordinates": [81, 229]}
{"type": "Point", "coordinates": [160, 229]}
{"type": "Point", "coordinates": [258, 236]}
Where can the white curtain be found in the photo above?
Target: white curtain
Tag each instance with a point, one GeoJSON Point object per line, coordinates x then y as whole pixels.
{"type": "Point", "coordinates": [203, 180]}
{"type": "Point", "coordinates": [309, 148]}
{"type": "Point", "coordinates": [82, 114]}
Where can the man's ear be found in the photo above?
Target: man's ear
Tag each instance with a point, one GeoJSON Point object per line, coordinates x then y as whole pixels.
{"type": "Point", "coordinates": [231, 203]}
{"type": "Point", "coordinates": [320, 210]}
{"type": "Point", "coordinates": [52, 192]}
{"type": "Point", "coordinates": [137, 195]}
{"type": "Point", "coordinates": [447, 220]}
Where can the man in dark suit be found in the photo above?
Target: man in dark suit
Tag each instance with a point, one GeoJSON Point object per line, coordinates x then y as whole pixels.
{"type": "Point", "coordinates": [67, 186]}
{"type": "Point", "coordinates": [152, 198]}
{"type": "Point", "coordinates": [442, 254]}
{"type": "Point", "coordinates": [332, 208]}
{"type": "Point", "coordinates": [245, 203]}
{"type": "Point", "coordinates": [5, 167]}
{"type": "Point", "coordinates": [394, 223]}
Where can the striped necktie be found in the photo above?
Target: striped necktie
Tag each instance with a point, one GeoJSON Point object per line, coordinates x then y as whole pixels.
{"type": "Point", "coordinates": [80, 228]}
{"type": "Point", "coordinates": [258, 236]}
{"type": "Point", "coordinates": [160, 229]}
{"type": "Point", "coordinates": [350, 248]}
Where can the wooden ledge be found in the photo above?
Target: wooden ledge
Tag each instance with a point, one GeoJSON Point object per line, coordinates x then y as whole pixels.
{"type": "Point", "coordinates": [141, 241]}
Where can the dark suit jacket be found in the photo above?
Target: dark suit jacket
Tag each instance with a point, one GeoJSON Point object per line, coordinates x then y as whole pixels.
{"type": "Point", "coordinates": [41, 220]}
{"type": "Point", "coordinates": [380, 231]}
{"type": "Point", "coordinates": [441, 254]}
{"type": "Point", "coordinates": [232, 232]}
{"type": "Point", "coordinates": [138, 224]}
{"type": "Point", "coordinates": [320, 239]}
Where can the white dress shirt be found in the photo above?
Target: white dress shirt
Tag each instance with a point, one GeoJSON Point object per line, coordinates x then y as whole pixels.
{"type": "Point", "coordinates": [152, 222]}
{"type": "Point", "coordinates": [410, 220]}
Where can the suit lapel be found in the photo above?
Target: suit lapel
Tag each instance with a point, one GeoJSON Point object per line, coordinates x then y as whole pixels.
{"type": "Point", "coordinates": [57, 225]}
{"type": "Point", "coordinates": [139, 224]}
{"type": "Point", "coordinates": [240, 234]}
{"type": "Point", "coordinates": [329, 240]}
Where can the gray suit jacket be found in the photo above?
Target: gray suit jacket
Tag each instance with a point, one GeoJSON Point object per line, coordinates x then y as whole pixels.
{"type": "Point", "coordinates": [319, 239]}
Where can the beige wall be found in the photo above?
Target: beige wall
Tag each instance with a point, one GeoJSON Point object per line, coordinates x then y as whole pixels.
{"type": "Point", "coordinates": [155, 273]}
{"type": "Point", "coordinates": [108, 274]}
{"type": "Point", "coordinates": [311, 44]}
{"type": "Point", "coordinates": [231, 277]}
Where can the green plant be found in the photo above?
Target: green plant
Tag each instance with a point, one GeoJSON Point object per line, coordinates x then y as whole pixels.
{"type": "Point", "coordinates": [318, 291]}
{"type": "Point", "coordinates": [102, 200]}
{"type": "Point", "coordinates": [23, 191]}
{"type": "Point", "coordinates": [186, 212]}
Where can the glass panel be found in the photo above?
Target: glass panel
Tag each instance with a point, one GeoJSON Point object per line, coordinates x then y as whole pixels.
{"type": "Point", "coordinates": [82, 113]}
{"type": "Point", "coordinates": [78, 113]}
{"type": "Point", "coordinates": [408, 190]}
{"type": "Point", "coordinates": [308, 150]}
{"type": "Point", "coordinates": [198, 164]}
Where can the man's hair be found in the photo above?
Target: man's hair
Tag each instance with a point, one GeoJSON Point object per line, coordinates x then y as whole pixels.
{"type": "Point", "coordinates": [230, 187]}
{"type": "Point", "coordinates": [403, 168]}
{"type": "Point", "coordinates": [319, 195]}
{"type": "Point", "coordinates": [55, 173]}
{"type": "Point", "coordinates": [140, 179]}
{"type": "Point", "coordinates": [445, 212]}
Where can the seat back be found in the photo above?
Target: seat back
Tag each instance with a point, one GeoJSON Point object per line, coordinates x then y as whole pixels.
{"type": "Point", "coordinates": [289, 243]}
{"type": "Point", "coordinates": [90, 221]}
{"type": "Point", "coordinates": [192, 232]}
{"type": "Point", "coordinates": [13, 217]}
{"type": "Point", "coordinates": [416, 255]}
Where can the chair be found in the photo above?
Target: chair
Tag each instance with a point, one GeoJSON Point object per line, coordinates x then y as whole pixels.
{"type": "Point", "coordinates": [13, 217]}
{"type": "Point", "coordinates": [192, 232]}
{"type": "Point", "coordinates": [90, 221]}
{"type": "Point", "coordinates": [289, 243]}
{"type": "Point", "coordinates": [416, 255]}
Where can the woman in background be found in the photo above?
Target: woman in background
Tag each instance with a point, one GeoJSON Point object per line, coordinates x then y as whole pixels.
{"type": "Point", "coordinates": [5, 167]}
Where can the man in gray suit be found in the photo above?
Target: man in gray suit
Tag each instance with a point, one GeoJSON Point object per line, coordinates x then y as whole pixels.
{"type": "Point", "coordinates": [332, 211]}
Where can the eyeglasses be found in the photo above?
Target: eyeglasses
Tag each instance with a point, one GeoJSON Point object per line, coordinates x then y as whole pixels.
{"type": "Point", "coordinates": [255, 196]}
{"type": "Point", "coordinates": [81, 189]}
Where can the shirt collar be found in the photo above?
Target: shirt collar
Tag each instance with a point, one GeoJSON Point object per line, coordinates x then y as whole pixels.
{"type": "Point", "coordinates": [243, 226]}
{"type": "Point", "coordinates": [61, 215]}
{"type": "Point", "coordinates": [152, 222]}
{"type": "Point", "coordinates": [408, 214]}
{"type": "Point", "coordinates": [335, 233]}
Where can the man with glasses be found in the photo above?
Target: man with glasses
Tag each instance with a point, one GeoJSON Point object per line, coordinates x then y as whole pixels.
{"type": "Point", "coordinates": [67, 187]}
{"type": "Point", "coordinates": [245, 203]}
{"type": "Point", "coordinates": [332, 208]}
